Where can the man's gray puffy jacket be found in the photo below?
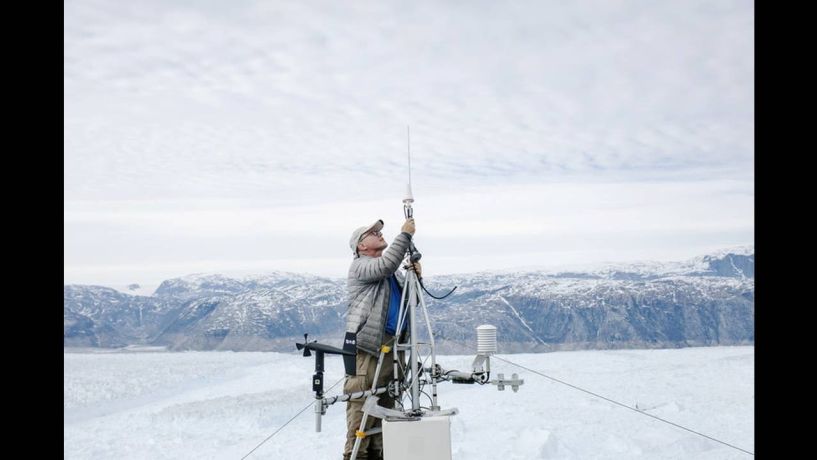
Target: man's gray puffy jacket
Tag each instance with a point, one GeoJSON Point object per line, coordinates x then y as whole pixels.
{"type": "Point", "coordinates": [369, 291]}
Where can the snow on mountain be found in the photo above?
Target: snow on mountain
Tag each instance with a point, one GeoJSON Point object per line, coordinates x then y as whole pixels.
{"type": "Point", "coordinates": [135, 289]}
{"type": "Point", "coordinates": [104, 317]}
{"type": "Point", "coordinates": [707, 300]}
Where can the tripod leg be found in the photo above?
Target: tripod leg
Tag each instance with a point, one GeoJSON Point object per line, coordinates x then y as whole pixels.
{"type": "Point", "coordinates": [434, 405]}
{"type": "Point", "coordinates": [411, 288]}
{"type": "Point", "coordinates": [361, 432]}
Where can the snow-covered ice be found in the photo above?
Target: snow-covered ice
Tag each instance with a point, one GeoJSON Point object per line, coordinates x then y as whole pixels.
{"type": "Point", "coordinates": [220, 405]}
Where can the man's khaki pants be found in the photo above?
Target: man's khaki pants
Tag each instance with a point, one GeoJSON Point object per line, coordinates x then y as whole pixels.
{"type": "Point", "coordinates": [371, 447]}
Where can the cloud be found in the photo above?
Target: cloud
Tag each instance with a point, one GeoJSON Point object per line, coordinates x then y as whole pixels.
{"type": "Point", "coordinates": [519, 224]}
{"type": "Point", "coordinates": [220, 121]}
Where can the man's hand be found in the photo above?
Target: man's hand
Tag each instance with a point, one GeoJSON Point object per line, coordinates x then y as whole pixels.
{"type": "Point", "coordinates": [408, 226]}
{"type": "Point", "coordinates": [418, 269]}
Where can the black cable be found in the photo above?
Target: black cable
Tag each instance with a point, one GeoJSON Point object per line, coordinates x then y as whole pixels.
{"type": "Point", "coordinates": [625, 406]}
{"type": "Point", "coordinates": [411, 249]}
{"type": "Point", "coordinates": [287, 423]}
{"type": "Point", "coordinates": [432, 295]}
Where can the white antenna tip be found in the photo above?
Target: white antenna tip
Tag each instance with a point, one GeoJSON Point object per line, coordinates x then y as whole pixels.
{"type": "Point", "coordinates": [408, 196]}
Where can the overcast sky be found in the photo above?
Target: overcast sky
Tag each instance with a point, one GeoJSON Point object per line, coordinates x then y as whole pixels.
{"type": "Point", "coordinates": [241, 137]}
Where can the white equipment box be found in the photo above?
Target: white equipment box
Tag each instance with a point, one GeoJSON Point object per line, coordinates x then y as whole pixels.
{"type": "Point", "coordinates": [428, 438]}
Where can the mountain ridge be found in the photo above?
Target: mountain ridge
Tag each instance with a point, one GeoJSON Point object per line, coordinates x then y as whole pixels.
{"type": "Point", "coordinates": [706, 300]}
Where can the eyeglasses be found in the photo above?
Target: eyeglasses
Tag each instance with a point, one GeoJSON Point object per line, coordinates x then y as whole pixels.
{"type": "Point", "coordinates": [374, 233]}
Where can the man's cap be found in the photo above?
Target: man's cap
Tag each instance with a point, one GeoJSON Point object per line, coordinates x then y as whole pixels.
{"type": "Point", "coordinates": [355, 239]}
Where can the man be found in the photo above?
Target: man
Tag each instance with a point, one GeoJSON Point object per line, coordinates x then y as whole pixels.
{"type": "Point", "coordinates": [374, 288]}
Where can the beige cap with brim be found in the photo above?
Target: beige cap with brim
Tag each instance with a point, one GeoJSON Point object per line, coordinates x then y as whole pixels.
{"type": "Point", "coordinates": [355, 239]}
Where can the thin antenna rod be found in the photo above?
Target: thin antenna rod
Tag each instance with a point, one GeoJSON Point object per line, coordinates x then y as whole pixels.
{"type": "Point", "coordinates": [408, 135]}
{"type": "Point", "coordinates": [408, 198]}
